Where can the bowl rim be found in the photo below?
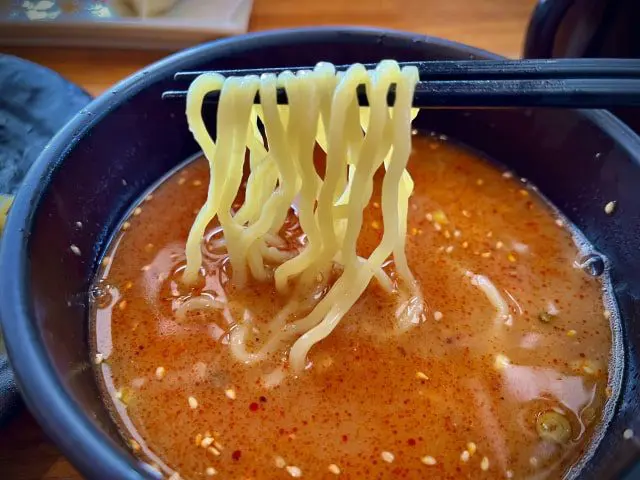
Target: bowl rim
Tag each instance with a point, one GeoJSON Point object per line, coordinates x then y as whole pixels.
{"type": "Point", "coordinates": [81, 441]}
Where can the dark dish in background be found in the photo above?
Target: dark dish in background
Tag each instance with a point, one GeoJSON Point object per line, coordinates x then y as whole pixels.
{"type": "Point", "coordinates": [35, 103]}
{"type": "Point", "coordinates": [579, 161]}
{"type": "Point", "coordinates": [586, 29]}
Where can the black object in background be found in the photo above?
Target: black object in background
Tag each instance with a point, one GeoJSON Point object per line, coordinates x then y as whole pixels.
{"type": "Point", "coordinates": [587, 29]}
{"type": "Point", "coordinates": [35, 103]}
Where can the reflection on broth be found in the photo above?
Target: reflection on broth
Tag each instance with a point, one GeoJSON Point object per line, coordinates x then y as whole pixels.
{"type": "Point", "coordinates": [507, 377]}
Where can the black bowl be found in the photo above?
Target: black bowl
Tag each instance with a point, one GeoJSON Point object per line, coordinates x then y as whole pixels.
{"type": "Point", "coordinates": [128, 138]}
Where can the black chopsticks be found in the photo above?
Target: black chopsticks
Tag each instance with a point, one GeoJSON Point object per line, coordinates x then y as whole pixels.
{"type": "Point", "coordinates": [574, 83]}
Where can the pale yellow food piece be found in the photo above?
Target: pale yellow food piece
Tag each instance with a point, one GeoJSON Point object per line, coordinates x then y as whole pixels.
{"type": "Point", "coordinates": [5, 203]}
{"type": "Point", "coordinates": [151, 8]}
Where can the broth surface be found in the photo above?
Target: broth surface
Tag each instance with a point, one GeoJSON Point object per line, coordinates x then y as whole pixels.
{"type": "Point", "coordinates": [373, 404]}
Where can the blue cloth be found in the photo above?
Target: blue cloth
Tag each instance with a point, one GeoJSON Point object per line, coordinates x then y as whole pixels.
{"type": "Point", "coordinates": [35, 103]}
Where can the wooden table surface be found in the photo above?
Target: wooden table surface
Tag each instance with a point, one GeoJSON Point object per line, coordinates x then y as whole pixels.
{"type": "Point", "coordinates": [495, 25]}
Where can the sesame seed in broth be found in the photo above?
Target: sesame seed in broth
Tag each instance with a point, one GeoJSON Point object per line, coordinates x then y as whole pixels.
{"type": "Point", "coordinates": [373, 403]}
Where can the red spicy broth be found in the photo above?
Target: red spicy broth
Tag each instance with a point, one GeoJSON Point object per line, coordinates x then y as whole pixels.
{"type": "Point", "coordinates": [459, 396]}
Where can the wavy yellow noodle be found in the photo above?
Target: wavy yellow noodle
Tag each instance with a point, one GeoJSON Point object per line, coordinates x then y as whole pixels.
{"type": "Point", "coordinates": [322, 111]}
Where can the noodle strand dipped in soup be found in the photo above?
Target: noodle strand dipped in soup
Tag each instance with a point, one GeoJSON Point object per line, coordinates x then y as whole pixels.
{"type": "Point", "coordinates": [480, 348]}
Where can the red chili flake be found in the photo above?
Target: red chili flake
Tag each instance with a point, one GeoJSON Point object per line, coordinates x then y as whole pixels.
{"type": "Point", "coordinates": [236, 455]}
{"type": "Point", "coordinates": [253, 407]}
{"type": "Point", "coordinates": [263, 399]}
{"type": "Point", "coordinates": [345, 438]}
{"type": "Point", "coordinates": [411, 442]}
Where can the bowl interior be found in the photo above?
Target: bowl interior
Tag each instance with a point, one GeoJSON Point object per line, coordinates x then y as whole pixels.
{"type": "Point", "coordinates": [122, 143]}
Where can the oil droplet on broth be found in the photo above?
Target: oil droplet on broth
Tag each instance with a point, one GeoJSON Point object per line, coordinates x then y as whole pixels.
{"type": "Point", "coordinates": [100, 295]}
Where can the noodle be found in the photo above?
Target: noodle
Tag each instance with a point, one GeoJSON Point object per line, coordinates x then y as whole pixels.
{"type": "Point", "coordinates": [322, 109]}
{"type": "Point", "coordinates": [200, 302]}
{"type": "Point", "coordinates": [486, 286]}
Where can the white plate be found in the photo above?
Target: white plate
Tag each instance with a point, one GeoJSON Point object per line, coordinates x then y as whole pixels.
{"type": "Point", "coordinates": [109, 23]}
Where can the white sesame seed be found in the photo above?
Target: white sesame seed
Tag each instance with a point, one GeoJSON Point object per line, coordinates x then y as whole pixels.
{"type": "Point", "coordinates": [421, 376]}
{"type": "Point", "coordinates": [387, 456]}
{"type": "Point", "coordinates": [485, 254]}
{"type": "Point", "coordinates": [571, 333]}
{"type": "Point", "coordinates": [206, 442]}
{"type": "Point", "coordinates": [210, 471]}
{"type": "Point", "coordinates": [627, 434]}
{"type": "Point", "coordinates": [610, 207]}
{"type": "Point", "coordinates": [428, 460]}
{"type": "Point", "coordinates": [457, 233]}
{"type": "Point", "coordinates": [213, 451]}
{"type": "Point", "coordinates": [437, 226]}
{"type": "Point", "coordinates": [75, 250]}
{"type": "Point", "coordinates": [466, 213]}
{"type": "Point", "coordinates": [508, 474]}
{"type": "Point", "coordinates": [499, 245]}
{"type": "Point", "coordinates": [449, 249]}
{"type": "Point", "coordinates": [533, 461]}
{"type": "Point", "coordinates": [295, 472]}
{"type": "Point", "coordinates": [279, 461]}
{"type": "Point", "coordinates": [79, 224]}
{"type": "Point", "coordinates": [465, 244]}
{"type": "Point", "coordinates": [160, 373]}
{"type": "Point", "coordinates": [429, 217]}
{"type": "Point", "coordinates": [193, 403]}
{"type": "Point", "coordinates": [484, 464]}
{"type": "Point", "coordinates": [507, 175]}
{"type": "Point", "coordinates": [335, 469]}
{"type": "Point", "coordinates": [99, 358]}
{"type": "Point", "coordinates": [559, 222]}
{"type": "Point", "coordinates": [501, 362]}
{"type": "Point", "coordinates": [607, 314]}
{"type": "Point", "coordinates": [437, 316]}
{"type": "Point", "coordinates": [471, 447]}
{"type": "Point", "coordinates": [126, 225]}
{"type": "Point", "coordinates": [230, 393]}
{"type": "Point", "coordinates": [137, 211]}
{"type": "Point", "coordinates": [464, 456]}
